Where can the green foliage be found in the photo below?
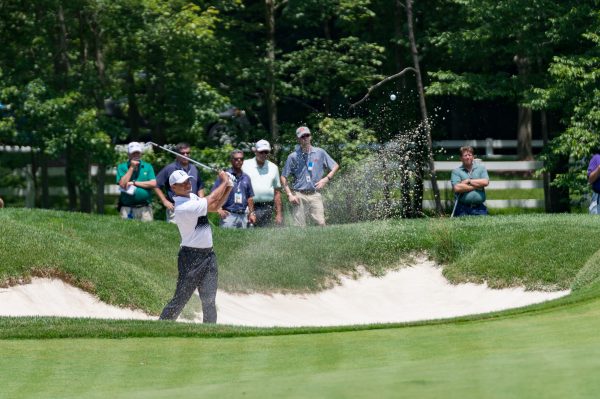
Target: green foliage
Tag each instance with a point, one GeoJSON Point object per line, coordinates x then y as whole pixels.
{"type": "Point", "coordinates": [575, 90]}
{"type": "Point", "coordinates": [348, 141]}
{"type": "Point", "coordinates": [322, 68]}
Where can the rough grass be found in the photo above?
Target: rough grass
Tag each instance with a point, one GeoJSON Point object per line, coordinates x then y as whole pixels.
{"type": "Point", "coordinates": [546, 350]}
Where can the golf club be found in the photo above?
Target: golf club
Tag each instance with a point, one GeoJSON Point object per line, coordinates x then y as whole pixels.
{"type": "Point", "coordinates": [191, 160]}
{"type": "Point", "coordinates": [456, 197]}
{"type": "Point", "coordinates": [184, 157]}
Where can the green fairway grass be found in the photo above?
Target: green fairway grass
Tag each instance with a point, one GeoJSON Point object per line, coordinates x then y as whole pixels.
{"type": "Point", "coordinates": [547, 354]}
{"type": "Point", "coordinates": [544, 350]}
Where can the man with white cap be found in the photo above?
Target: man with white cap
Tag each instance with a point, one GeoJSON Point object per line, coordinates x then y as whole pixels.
{"type": "Point", "coordinates": [196, 262]}
{"type": "Point", "coordinates": [136, 182]}
{"type": "Point", "coordinates": [307, 166]}
{"type": "Point", "coordinates": [266, 185]}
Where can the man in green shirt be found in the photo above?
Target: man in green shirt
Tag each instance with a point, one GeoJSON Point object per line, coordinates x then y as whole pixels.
{"type": "Point", "coordinates": [468, 182]}
{"type": "Point", "coordinates": [136, 182]}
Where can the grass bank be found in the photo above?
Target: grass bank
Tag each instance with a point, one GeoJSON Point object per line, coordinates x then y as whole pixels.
{"type": "Point", "coordinates": [134, 264]}
{"type": "Point", "coordinates": [547, 350]}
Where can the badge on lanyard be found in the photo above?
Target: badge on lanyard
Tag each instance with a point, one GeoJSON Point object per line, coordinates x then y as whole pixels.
{"type": "Point", "coordinates": [310, 166]}
{"type": "Point", "coordinates": [237, 197]}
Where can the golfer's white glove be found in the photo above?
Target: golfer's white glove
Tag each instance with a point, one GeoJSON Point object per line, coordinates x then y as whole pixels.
{"type": "Point", "coordinates": [231, 181]}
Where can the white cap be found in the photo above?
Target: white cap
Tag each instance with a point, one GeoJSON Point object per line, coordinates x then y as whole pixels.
{"type": "Point", "coordinates": [301, 131]}
{"type": "Point", "coordinates": [262, 145]}
{"type": "Point", "coordinates": [178, 177]}
{"type": "Point", "coordinates": [134, 146]}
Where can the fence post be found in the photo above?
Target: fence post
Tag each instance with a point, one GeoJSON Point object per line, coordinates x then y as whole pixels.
{"type": "Point", "coordinates": [489, 147]}
{"type": "Point", "coordinates": [30, 187]}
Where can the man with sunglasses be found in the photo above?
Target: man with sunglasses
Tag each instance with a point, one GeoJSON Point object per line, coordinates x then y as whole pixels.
{"type": "Point", "coordinates": [264, 176]}
{"type": "Point", "coordinates": [162, 180]}
{"type": "Point", "coordinates": [307, 166]}
{"type": "Point", "coordinates": [233, 213]}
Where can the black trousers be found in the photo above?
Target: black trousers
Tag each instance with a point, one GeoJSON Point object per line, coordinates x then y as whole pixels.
{"type": "Point", "coordinates": [264, 213]}
{"type": "Point", "coordinates": [197, 270]}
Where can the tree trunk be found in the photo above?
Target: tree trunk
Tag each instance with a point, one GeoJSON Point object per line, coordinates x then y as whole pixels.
{"type": "Point", "coordinates": [423, 106]}
{"type": "Point", "coordinates": [133, 115]}
{"type": "Point", "coordinates": [524, 150]}
{"type": "Point", "coordinates": [556, 199]}
{"type": "Point", "coordinates": [270, 89]}
{"type": "Point", "coordinates": [399, 32]}
{"type": "Point", "coordinates": [99, 96]}
{"type": "Point", "coordinates": [44, 179]}
{"type": "Point", "coordinates": [71, 181]}
{"type": "Point", "coordinates": [100, 184]}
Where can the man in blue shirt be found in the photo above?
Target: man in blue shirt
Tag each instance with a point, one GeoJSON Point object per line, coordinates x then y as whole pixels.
{"type": "Point", "coordinates": [162, 180]}
{"type": "Point", "coordinates": [233, 213]}
{"type": "Point", "coordinates": [307, 166]}
{"type": "Point", "coordinates": [468, 182]}
{"type": "Point", "coordinates": [593, 173]}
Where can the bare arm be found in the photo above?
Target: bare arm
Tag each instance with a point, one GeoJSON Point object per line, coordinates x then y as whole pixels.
{"type": "Point", "coordinates": [594, 175]}
{"type": "Point", "coordinates": [278, 207]}
{"type": "Point", "coordinates": [201, 192]}
{"type": "Point", "coordinates": [468, 185]}
{"type": "Point", "coordinates": [480, 183]}
{"type": "Point", "coordinates": [251, 214]}
{"type": "Point", "coordinates": [321, 183]}
{"type": "Point", "coordinates": [163, 199]}
{"type": "Point", "coordinates": [124, 181]}
{"type": "Point", "coordinates": [291, 197]}
{"type": "Point", "coordinates": [145, 184]}
{"type": "Point", "coordinates": [217, 198]}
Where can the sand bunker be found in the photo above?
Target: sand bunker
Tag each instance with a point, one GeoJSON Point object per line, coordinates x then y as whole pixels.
{"type": "Point", "coordinates": [419, 292]}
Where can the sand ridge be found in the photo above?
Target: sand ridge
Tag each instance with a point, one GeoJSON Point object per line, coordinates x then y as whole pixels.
{"type": "Point", "coordinates": [417, 292]}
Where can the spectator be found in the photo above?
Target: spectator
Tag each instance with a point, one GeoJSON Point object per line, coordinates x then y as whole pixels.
{"type": "Point", "coordinates": [233, 212]}
{"type": "Point", "coordinates": [264, 176]}
{"type": "Point", "coordinates": [162, 179]}
{"type": "Point", "coordinates": [468, 182]}
{"type": "Point", "coordinates": [306, 164]}
{"type": "Point", "coordinates": [197, 263]}
{"type": "Point", "coordinates": [593, 173]}
{"type": "Point", "coordinates": [136, 181]}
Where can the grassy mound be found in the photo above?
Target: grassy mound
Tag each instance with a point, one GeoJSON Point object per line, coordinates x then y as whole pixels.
{"type": "Point", "coordinates": [134, 264]}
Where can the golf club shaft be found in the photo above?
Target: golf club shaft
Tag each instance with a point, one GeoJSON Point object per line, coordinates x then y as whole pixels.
{"type": "Point", "coordinates": [184, 157]}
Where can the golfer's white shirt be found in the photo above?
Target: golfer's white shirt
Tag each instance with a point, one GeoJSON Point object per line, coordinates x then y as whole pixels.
{"type": "Point", "coordinates": [187, 211]}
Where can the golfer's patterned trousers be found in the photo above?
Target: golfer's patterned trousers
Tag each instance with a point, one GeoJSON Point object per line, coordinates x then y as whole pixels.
{"type": "Point", "coordinates": [197, 270]}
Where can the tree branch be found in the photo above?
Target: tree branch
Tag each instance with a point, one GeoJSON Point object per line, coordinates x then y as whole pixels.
{"type": "Point", "coordinates": [279, 5]}
{"type": "Point", "coordinates": [380, 83]}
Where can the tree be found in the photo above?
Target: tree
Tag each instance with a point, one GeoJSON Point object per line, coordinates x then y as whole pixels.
{"type": "Point", "coordinates": [498, 50]}
{"type": "Point", "coordinates": [574, 92]}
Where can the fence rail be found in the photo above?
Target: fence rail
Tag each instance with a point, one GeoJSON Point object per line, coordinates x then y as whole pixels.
{"type": "Point", "coordinates": [489, 144]}
{"type": "Point", "coordinates": [497, 166]}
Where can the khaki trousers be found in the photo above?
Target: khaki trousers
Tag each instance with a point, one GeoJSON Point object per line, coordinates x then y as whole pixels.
{"type": "Point", "coordinates": [311, 205]}
{"type": "Point", "coordinates": [143, 213]}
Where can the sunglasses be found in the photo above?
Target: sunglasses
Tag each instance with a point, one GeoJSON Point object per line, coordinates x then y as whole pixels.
{"type": "Point", "coordinates": [264, 152]}
{"type": "Point", "coordinates": [304, 136]}
{"type": "Point", "coordinates": [185, 153]}
{"type": "Point", "coordinates": [237, 159]}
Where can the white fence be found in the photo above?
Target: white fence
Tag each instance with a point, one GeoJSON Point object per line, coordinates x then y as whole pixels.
{"type": "Point", "coordinates": [497, 166]}
{"type": "Point", "coordinates": [489, 144]}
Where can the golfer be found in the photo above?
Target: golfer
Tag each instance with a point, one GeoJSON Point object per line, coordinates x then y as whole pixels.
{"type": "Point", "coordinates": [197, 263]}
